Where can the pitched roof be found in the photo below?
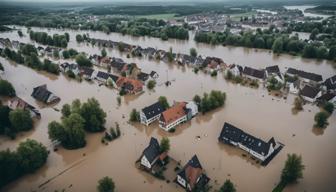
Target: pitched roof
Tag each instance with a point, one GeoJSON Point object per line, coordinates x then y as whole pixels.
{"type": "Point", "coordinates": [153, 73]}
{"type": "Point", "coordinates": [309, 91]}
{"type": "Point", "coordinates": [103, 75]}
{"type": "Point", "coordinates": [41, 93]}
{"type": "Point", "coordinates": [327, 97]}
{"type": "Point", "coordinates": [330, 83]}
{"type": "Point", "coordinates": [86, 71]}
{"type": "Point", "coordinates": [192, 172]}
{"type": "Point", "coordinates": [306, 75]}
{"type": "Point", "coordinates": [118, 63]}
{"type": "Point", "coordinates": [143, 76]}
{"type": "Point", "coordinates": [173, 113]}
{"type": "Point", "coordinates": [153, 110]}
{"type": "Point", "coordinates": [129, 84]}
{"type": "Point", "coordinates": [254, 72]}
{"type": "Point", "coordinates": [235, 134]}
{"type": "Point", "coordinates": [273, 69]}
{"type": "Point", "coordinates": [152, 151]}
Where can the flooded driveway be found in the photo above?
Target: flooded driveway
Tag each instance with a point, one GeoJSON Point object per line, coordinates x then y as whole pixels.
{"type": "Point", "coordinates": [252, 110]}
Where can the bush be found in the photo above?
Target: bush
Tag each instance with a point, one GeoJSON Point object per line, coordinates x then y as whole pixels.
{"type": "Point", "coordinates": [134, 116]}
{"type": "Point", "coordinates": [212, 101]}
{"type": "Point", "coordinates": [82, 60]}
{"type": "Point", "coordinates": [193, 52]}
{"type": "Point", "coordinates": [106, 184]}
{"type": "Point", "coordinates": [328, 107]}
{"type": "Point", "coordinates": [20, 120]}
{"type": "Point", "coordinates": [321, 119]}
{"type": "Point", "coordinates": [214, 73]}
{"type": "Point", "coordinates": [151, 84]}
{"type": "Point", "coordinates": [6, 88]}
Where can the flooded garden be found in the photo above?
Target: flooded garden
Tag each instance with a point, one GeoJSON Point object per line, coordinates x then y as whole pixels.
{"type": "Point", "coordinates": [252, 109]}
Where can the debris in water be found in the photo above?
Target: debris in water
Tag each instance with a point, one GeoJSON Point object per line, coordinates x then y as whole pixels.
{"type": "Point", "coordinates": [198, 137]}
{"type": "Point", "coordinates": [84, 154]}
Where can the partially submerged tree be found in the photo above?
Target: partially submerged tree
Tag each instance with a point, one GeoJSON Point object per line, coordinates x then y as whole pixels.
{"type": "Point", "coordinates": [106, 184]}
{"type": "Point", "coordinates": [227, 187]}
{"type": "Point", "coordinates": [329, 107]}
{"type": "Point", "coordinates": [163, 101]}
{"type": "Point", "coordinates": [20, 120]}
{"type": "Point", "coordinates": [164, 144]}
{"type": "Point", "coordinates": [151, 84]}
{"type": "Point", "coordinates": [293, 169]}
{"type": "Point", "coordinates": [321, 119]}
{"type": "Point", "coordinates": [134, 116]}
{"type": "Point", "coordinates": [6, 88]}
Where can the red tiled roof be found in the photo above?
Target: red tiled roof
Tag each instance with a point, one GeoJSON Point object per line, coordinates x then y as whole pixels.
{"type": "Point", "coordinates": [173, 113]}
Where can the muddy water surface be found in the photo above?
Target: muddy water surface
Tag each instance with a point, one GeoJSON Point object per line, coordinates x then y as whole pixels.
{"type": "Point", "coordinates": [253, 110]}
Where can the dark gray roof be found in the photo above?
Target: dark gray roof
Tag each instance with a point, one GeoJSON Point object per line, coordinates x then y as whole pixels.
{"type": "Point", "coordinates": [114, 77]}
{"type": "Point", "coordinates": [330, 83]}
{"type": "Point", "coordinates": [306, 75]}
{"type": "Point", "coordinates": [309, 91]}
{"type": "Point", "coordinates": [117, 63]}
{"type": "Point", "coordinates": [153, 110]}
{"type": "Point", "coordinates": [235, 134]}
{"type": "Point", "coordinates": [152, 151]}
{"type": "Point", "coordinates": [254, 72]}
{"type": "Point", "coordinates": [143, 76]}
{"type": "Point", "coordinates": [273, 69]}
{"type": "Point", "coordinates": [86, 71]}
{"type": "Point", "coordinates": [103, 75]}
{"type": "Point", "coordinates": [327, 97]}
{"type": "Point", "coordinates": [152, 73]}
{"type": "Point", "coordinates": [41, 93]}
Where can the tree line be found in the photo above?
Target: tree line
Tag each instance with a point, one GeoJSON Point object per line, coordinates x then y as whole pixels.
{"type": "Point", "coordinates": [28, 157]}
{"type": "Point", "coordinates": [55, 40]}
{"type": "Point", "coordinates": [28, 56]}
{"type": "Point", "coordinates": [210, 101]}
{"type": "Point", "coordinates": [271, 39]}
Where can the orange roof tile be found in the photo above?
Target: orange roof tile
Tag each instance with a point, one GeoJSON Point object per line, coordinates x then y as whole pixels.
{"type": "Point", "coordinates": [173, 113]}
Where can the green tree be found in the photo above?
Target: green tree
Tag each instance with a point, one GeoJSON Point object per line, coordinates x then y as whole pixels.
{"type": "Point", "coordinates": [20, 33]}
{"type": "Point", "coordinates": [94, 116]}
{"type": "Point", "coordinates": [79, 38]}
{"type": "Point", "coordinates": [32, 155]}
{"type": "Point", "coordinates": [82, 60]}
{"type": "Point", "coordinates": [74, 132]}
{"type": "Point", "coordinates": [164, 144]}
{"type": "Point", "coordinates": [1, 67]}
{"type": "Point", "coordinates": [66, 110]}
{"type": "Point", "coordinates": [4, 119]}
{"type": "Point", "coordinates": [314, 34]}
{"type": "Point", "coordinates": [103, 52]}
{"type": "Point", "coordinates": [227, 187]}
{"type": "Point", "coordinates": [106, 184]}
{"type": "Point", "coordinates": [163, 101]}
{"type": "Point", "coordinates": [278, 45]}
{"type": "Point", "coordinates": [6, 88]}
{"type": "Point", "coordinates": [193, 52]}
{"type": "Point", "coordinates": [329, 107]}
{"type": "Point", "coordinates": [321, 119]}
{"type": "Point", "coordinates": [292, 170]}
{"type": "Point", "coordinates": [151, 84]}
{"type": "Point", "coordinates": [197, 99]}
{"type": "Point", "coordinates": [134, 116]}
{"type": "Point", "coordinates": [309, 51]}
{"type": "Point", "coordinates": [170, 55]}
{"type": "Point", "coordinates": [20, 120]}
{"type": "Point", "coordinates": [298, 104]}
{"type": "Point", "coordinates": [56, 132]}
{"type": "Point", "coordinates": [66, 54]}
{"type": "Point", "coordinates": [9, 167]}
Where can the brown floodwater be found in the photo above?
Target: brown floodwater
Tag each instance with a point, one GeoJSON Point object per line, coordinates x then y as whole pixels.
{"type": "Point", "coordinates": [253, 110]}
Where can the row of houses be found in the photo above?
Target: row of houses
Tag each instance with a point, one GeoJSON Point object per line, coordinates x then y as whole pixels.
{"type": "Point", "coordinates": [191, 176]}
{"type": "Point", "coordinates": [309, 86]}
{"type": "Point", "coordinates": [169, 118]}
{"type": "Point", "coordinates": [212, 63]}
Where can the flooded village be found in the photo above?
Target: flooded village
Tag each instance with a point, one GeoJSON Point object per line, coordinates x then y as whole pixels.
{"type": "Point", "coordinates": [246, 140]}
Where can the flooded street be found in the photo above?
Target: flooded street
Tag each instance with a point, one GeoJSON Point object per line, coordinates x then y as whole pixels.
{"type": "Point", "coordinates": [252, 110]}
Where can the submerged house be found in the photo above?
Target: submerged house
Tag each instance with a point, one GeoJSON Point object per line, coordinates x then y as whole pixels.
{"type": "Point", "coordinates": [236, 70]}
{"type": "Point", "coordinates": [18, 103]}
{"type": "Point", "coordinates": [152, 154]}
{"type": "Point", "coordinates": [310, 94]}
{"type": "Point", "coordinates": [330, 83]}
{"type": "Point", "coordinates": [256, 147]}
{"type": "Point", "coordinates": [306, 77]}
{"type": "Point", "coordinates": [274, 71]}
{"type": "Point", "coordinates": [328, 97]}
{"type": "Point", "coordinates": [130, 86]}
{"type": "Point", "coordinates": [154, 75]}
{"type": "Point", "coordinates": [87, 72]}
{"type": "Point", "coordinates": [143, 76]}
{"type": "Point", "coordinates": [41, 93]}
{"type": "Point", "coordinates": [151, 113]}
{"type": "Point", "coordinates": [254, 73]}
{"type": "Point", "coordinates": [192, 175]}
{"type": "Point", "coordinates": [179, 113]}
{"type": "Point", "coordinates": [65, 67]}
